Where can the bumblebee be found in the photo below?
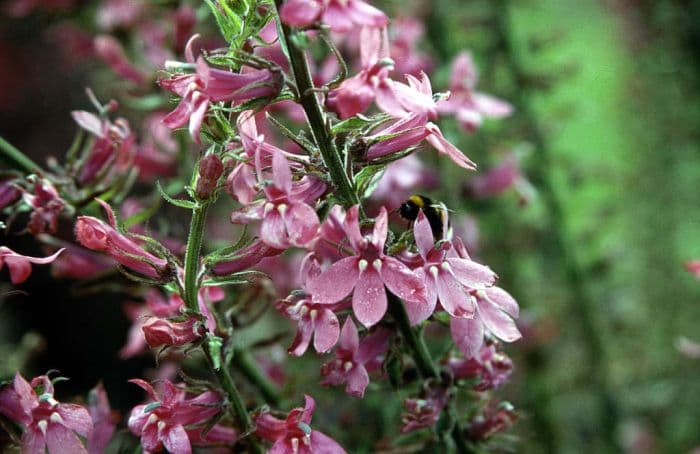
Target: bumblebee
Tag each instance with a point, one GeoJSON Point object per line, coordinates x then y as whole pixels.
{"type": "Point", "coordinates": [435, 212]}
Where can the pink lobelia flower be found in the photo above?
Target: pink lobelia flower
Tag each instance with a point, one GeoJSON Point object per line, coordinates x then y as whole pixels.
{"type": "Point", "coordinates": [159, 332]}
{"type": "Point", "coordinates": [212, 85]}
{"type": "Point", "coordinates": [356, 94]}
{"type": "Point", "coordinates": [313, 319]}
{"type": "Point", "coordinates": [424, 412]}
{"type": "Point", "coordinates": [367, 272]}
{"type": "Point", "coordinates": [340, 15]}
{"type": "Point", "coordinates": [243, 259]}
{"type": "Point", "coordinates": [111, 52]}
{"type": "Point", "coordinates": [354, 360]}
{"type": "Point", "coordinates": [162, 307]}
{"type": "Point", "coordinates": [409, 131]}
{"type": "Point", "coordinates": [495, 311]}
{"type": "Point", "coordinates": [9, 193]}
{"type": "Point", "coordinates": [287, 219]}
{"type": "Point", "coordinates": [168, 419]}
{"type": "Point", "coordinates": [447, 276]}
{"type": "Point", "coordinates": [490, 366]}
{"type": "Point", "coordinates": [468, 106]}
{"type": "Point", "coordinates": [103, 418]}
{"type": "Point", "coordinates": [47, 423]}
{"type": "Point", "coordinates": [294, 435]}
{"type": "Point", "coordinates": [98, 235]}
{"type": "Point", "coordinates": [20, 265]}
{"type": "Point", "coordinates": [405, 32]}
{"type": "Point", "coordinates": [46, 206]}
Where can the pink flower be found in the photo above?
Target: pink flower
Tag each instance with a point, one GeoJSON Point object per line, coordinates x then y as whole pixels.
{"type": "Point", "coordinates": [210, 170]}
{"type": "Point", "coordinates": [354, 360]}
{"type": "Point", "coordinates": [46, 206]}
{"type": "Point", "coordinates": [110, 51]}
{"type": "Point", "coordinates": [447, 276]}
{"type": "Point", "coordinates": [103, 418]}
{"type": "Point", "coordinates": [167, 420]}
{"type": "Point", "coordinates": [47, 424]}
{"type": "Point", "coordinates": [98, 235]}
{"type": "Point", "coordinates": [243, 259]}
{"type": "Point", "coordinates": [158, 305]}
{"type": "Point", "coordinates": [287, 219]}
{"type": "Point", "coordinates": [295, 435]}
{"type": "Point", "coordinates": [79, 263]}
{"type": "Point", "coordinates": [491, 367]}
{"type": "Point", "coordinates": [367, 272]}
{"type": "Point", "coordinates": [492, 420]}
{"type": "Point", "coordinates": [409, 131]}
{"type": "Point", "coordinates": [112, 149]}
{"type": "Point", "coordinates": [356, 94]}
{"type": "Point", "coordinates": [495, 311]}
{"type": "Point", "coordinates": [212, 85]}
{"type": "Point", "coordinates": [405, 33]}
{"type": "Point", "coordinates": [340, 15]}
{"type": "Point", "coordinates": [313, 320]}
{"type": "Point", "coordinates": [468, 106]}
{"type": "Point", "coordinates": [400, 179]}
{"type": "Point", "coordinates": [421, 413]}
{"type": "Point", "coordinates": [497, 180]}
{"type": "Point", "coordinates": [20, 265]}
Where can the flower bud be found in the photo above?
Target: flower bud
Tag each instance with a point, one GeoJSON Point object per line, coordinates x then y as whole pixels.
{"type": "Point", "coordinates": [158, 331]}
{"type": "Point", "coordinates": [244, 259]}
{"type": "Point", "coordinates": [210, 170]}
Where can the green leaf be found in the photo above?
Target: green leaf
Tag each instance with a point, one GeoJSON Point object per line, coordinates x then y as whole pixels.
{"type": "Point", "coordinates": [230, 24]}
{"type": "Point", "coordinates": [187, 204]}
{"type": "Point", "coordinates": [367, 179]}
{"type": "Point", "coordinates": [351, 124]}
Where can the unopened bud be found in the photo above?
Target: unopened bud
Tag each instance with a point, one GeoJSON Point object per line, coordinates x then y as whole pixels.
{"type": "Point", "coordinates": [210, 170]}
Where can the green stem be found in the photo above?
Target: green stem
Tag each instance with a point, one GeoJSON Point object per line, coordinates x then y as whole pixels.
{"type": "Point", "coordinates": [317, 120]}
{"type": "Point", "coordinates": [194, 247]}
{"type": "Point", "coordinates": [584, 306]}
{"type": "Point", "coordinates": [426, 366]}
{"type": "Point", "coordinates": [246, 365]}
{"type": "Point", "coordinates": [16, 158]}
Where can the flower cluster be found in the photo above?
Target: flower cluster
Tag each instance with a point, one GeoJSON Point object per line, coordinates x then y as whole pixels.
{"type": "Point", "coordinates": [314, 161]}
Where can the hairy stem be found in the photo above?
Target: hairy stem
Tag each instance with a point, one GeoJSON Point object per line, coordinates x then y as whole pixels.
{"type": "Point", "coordinates": [16, 159]}
{"type": "Point", "coordinates": [583, 304]}
{"type": "Point", "coordinates": [317, 119]}
{"type": "Point", "coordinates": [192, 253]}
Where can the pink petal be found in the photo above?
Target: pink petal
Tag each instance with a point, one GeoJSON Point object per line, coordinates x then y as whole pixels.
{"type": "Point", "coordinates": [273, 231]}
{"type": "Point", "coordinates": [300, 13]}
{"type": "Point", "coordinates": [369, 300]}
{"type": "Point", "coordinates": [327, 331]}
{"type": "Point", "coordinates": [438, 141]}
{"type": "Point", "coordinates": [352, 228]}
{"type": "Point", "coordinates": [401, 281]}
{"type": "Point", "coordinates": [365, 14]}
{"type": "Point", "coordinates": [145, 386]}
{"type": "Point", "coordinates": [76, 418]}
{"type": "Point", "coordinates": [335, 283]}
{"type": "Point", "coordinates": [498, 322]}
{"type": "Point", "coordinates": [281, 174]}
{"type": "Point", "coordinates": [380, 229]}
{"type": "Point", "coordinates": [502, 299]}
{"type": "Point", "coordinates": [323, 444]}
{"type": "Point", "coordinates": [419, 311]}
{"type": "Point", "coordinates": [357, 381]}
{"type": "Point", "coordinates": [372, 346]}
{"type": "Point", "coordinates": [468, 334]}
{"type": "Point", "coordinates": [423, 235]}
{"type": "Point", "coordinates": [61, 440]}
{"type": "Point", "coordinates": [453, 297]}
{"type": "Point", "coordinates": [349, 339]}
{"type": "Point", "coordinates": [88, 121]}
{"type": "Point", "coordinates": [20, 269]}
{"type": "Point", "coordinates": [301, 341]}
{"type": "Point", "coordinates": [199, 111]}
{"type": "Point", "coordinates": [491, 106]}
{"type": "Point", "coordinates": [176, 440]}
{"type": "Point", "coordinates": [471, 274]}
{"type": "Point", "coordinates": [302, 224]}
{"type": "Point", "coordinates": [386, 99]}
{"type": "Point", "coordinates": [33, 441]}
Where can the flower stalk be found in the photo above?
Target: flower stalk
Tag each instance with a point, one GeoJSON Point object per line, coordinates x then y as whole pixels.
{"type": "Point", "coordinates": [15, 158]}
{"type": "Point", "coordinates": [316, 118]}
